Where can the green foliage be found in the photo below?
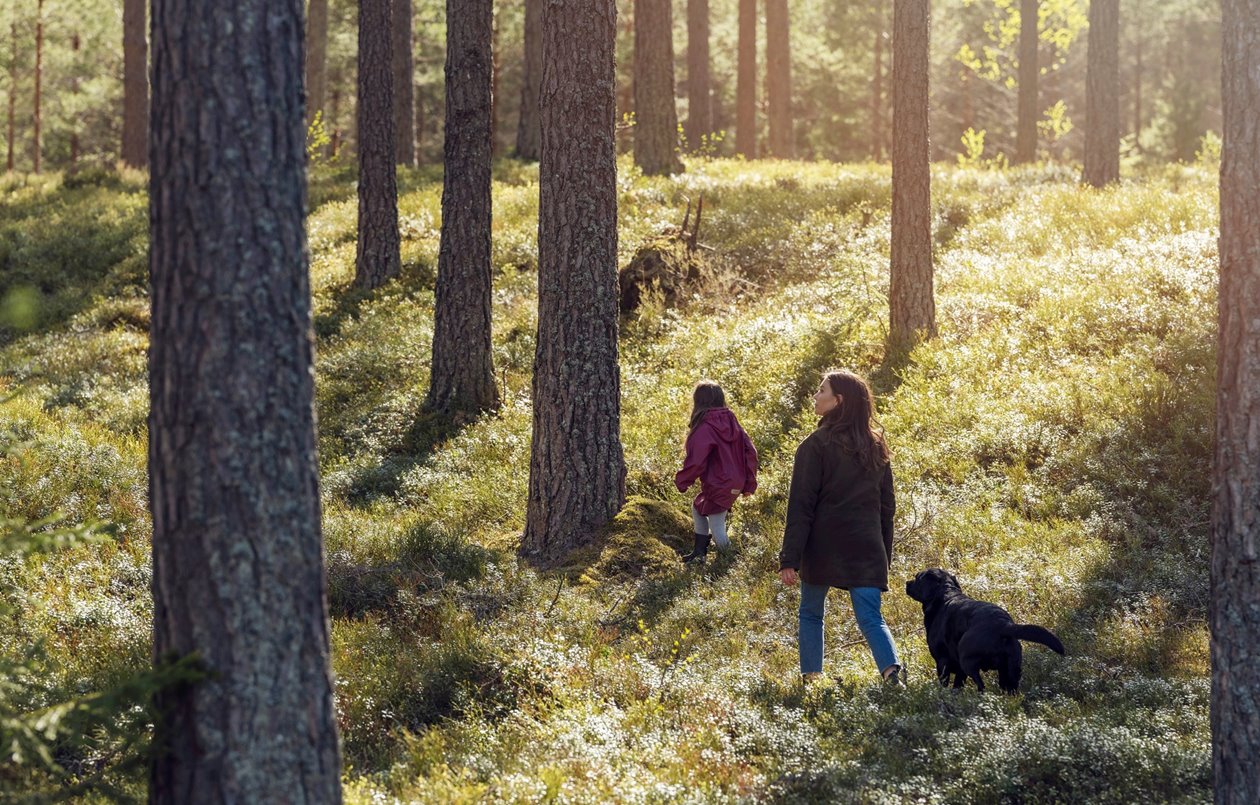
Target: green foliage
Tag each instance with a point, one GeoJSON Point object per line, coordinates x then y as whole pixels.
{"type": "Point", "coordinates": [1050, 447]}
{"type": "Point", "coordinates": [61, 743]}
{"type": "Point", "coordinates": [317, 140]}
{"type": "Point", "coordinates": [973, 148]}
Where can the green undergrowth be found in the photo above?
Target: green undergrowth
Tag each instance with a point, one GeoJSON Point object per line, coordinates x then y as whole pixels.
{"type": "Point", "coordinates": [1051, 447]}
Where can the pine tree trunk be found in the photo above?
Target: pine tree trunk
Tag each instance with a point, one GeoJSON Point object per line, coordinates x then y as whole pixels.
{"type": "Point", "coordinates": [746, 82]}
{"type": "Point", "coordinates": [334, 114]}
{"type": "Point", "coordinates": [1137, 99]}
{"type": "Point", "coordinates": [74, 90]}
{"type": "Point", "coordinates": [655, 117]}
{"type": "Point", "coordinates": [238, 573]}
{"type": "Point", "coordinates": [39, 81]}
{"type": "Point", "coordinates": [527, 133]}
{"type": "Point", "coordinates": [1235, 609]}
{"type": "Point", "coordinates": [404, 84]}
{"type": "Point", "coordinates": [496, 73]}
{"type": "Point", "coordinates": [912, 308]}
{"type": "Point", "coordinates": [877, 94]}
{"type": "Point", "coordinates": [462, 377]}
{"type": "Point", "coordinates": [135, 136]}
{"type": "Point", "coordinates": [779, 80]}
{"type": "Point", "coordinates": [1102, 95]}
{"type": "Point", "coordinates": [699, 87]}
{"type": "Point", "coordinates": [1026, 135]}
{"type": "Point", "coordinates": [316, 61]}
{"type": "Point", "coordinates": [377, 258]}
{"type": "Point", "coordinates": [577, 472]}
{"type": "Point", "coordinates": [13, 73]}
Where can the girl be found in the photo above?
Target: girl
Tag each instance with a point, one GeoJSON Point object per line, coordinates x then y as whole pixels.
{"type": "Point", "coordinates": [840, 522]}
{"type": "Point", "coordinates": [722, 456]}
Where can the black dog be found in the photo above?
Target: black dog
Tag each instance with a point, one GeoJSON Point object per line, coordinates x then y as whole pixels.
{"type": "Point", "coordinates": [967, 636]}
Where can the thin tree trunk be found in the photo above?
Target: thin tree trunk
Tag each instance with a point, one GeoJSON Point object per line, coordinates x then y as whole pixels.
{"type": "Point", "coordinates": [577, 472]}
{"type": "Point", "coordinates": [135, 135]}
{"type": "Point", "coordinates": [655, 116]}
{"type": "Point", "coordinates": [334, 112]}
{"type": "Point", "coordinates": [912, 308]}
{"type": "Point", "coordinates": [377, 258]}
{"type": "Point", "coordinates": [699, 85]}
{"type": "Point", "coordinates": [13, 74]}
{"type": "Point", "coordinates": [420, 123]}
{"type": "Point", "coordinates": [316, 61]}
{"type": "Point", "coordinates": [1137, 99]}
{"type": "Point", "coordinates": [496, 70]}
{"type": "Point", "coordinates": [74, 89]}
{"type": "Point", "coordinates": [1102, 95]}
{"type": "Point", "coordinates": [779, 80]}
{"type": "Point", "coordinates": [462, 376]}
{"type": "Point", "coordinates": [404, 81]}
{"type": "Point", "coordinates": [746, 82]}
{"type": "Point", "coordinates": [1026, 135]}
{"type": "Point", "coordinates": [39, 81]}
{"type": "Point", "coordinates": [877, 95]}
{"type": "Point", "coordinates": [527, 133]}
{"type": "Point", "coordinates": [238, 573]}
{"type": "Point", "coordinates": [1235, 609]}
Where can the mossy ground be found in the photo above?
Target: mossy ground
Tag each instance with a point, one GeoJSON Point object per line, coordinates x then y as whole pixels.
{"type": "Point", "coordinates": [1052, 447]}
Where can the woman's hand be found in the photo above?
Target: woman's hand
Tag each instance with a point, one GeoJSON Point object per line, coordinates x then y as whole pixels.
{"type": "Point", "coordinates": [788, 576]}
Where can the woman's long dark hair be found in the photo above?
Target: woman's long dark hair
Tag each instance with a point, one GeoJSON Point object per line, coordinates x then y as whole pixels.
{"type": "Point", "coordinates": [706, 396]}
{"type": "Point", "coordinates": [851, 425]}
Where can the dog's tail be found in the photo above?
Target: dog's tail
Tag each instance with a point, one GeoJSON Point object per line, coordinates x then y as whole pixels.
{"type": "Point", "coordinates": [1035, 634]}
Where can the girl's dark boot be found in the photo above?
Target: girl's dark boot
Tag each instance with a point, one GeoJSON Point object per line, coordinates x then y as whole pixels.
{"type": "Point", "coordinates": [700, 550]}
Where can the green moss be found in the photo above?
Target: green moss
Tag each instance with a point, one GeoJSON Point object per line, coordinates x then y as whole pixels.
{"type": "Point", "coordinates": [642, 541]}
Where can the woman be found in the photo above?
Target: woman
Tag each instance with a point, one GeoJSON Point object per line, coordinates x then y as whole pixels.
{"type": "Point", "coordinates": [840, 522]}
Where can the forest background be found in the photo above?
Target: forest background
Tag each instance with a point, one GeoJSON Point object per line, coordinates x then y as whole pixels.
{"type": "Point", "coordinates": [1169, 77]}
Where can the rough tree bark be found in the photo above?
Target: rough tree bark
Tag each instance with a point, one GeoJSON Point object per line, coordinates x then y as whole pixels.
{"type": "Point", "coordinates": [238, 573]}
{"type": "Point", "coordinates": [1102, 95]}
{"type": "Point", "coordinates": [13, 73]}
{"type": "Point", "coordinates": [655, 116]}
{"type": "Point", "coordinates": [316, 60]}
{"type": "Point", "coordinates": [912, 308]}
{"type": "Point", "coordinates": [577, 472]}
{"type": "Point", "coordinates": [135, 134]}
{"type": "Point", "coordinates": [877, 93]}
{"type": "Point", "coordinates": [527, 133]}
{"type": "Point", "coordinates": [1026, 133]}
{"type": "Point", "coordinates": [75, 42]}
{"type": "Point", "coordinates": [1235, 608]}
{"type": "Point", "coordinates": [746, 82]}
{"type": "Point", "coordinates": [377, 258]}
{"type": "Point", "coordinates": [779, 80]}
{"type": "Point", "coordinates": [699, 85]}
{"type": "Point", "coordinates": [39, 82]}
{"type": "Point", "coordinates": [1137, 98]}
{"type": "Point", "coordinates": [462, 376]}
{"type": "Point", "coordinates": [404, 85]}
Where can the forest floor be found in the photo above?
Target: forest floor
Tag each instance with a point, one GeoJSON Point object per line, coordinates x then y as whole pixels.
{"type": "Point", "coordinates": [1052, 447]}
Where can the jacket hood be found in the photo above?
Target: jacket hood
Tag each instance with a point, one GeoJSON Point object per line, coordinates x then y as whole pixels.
{"type": "Point", "coordinates": [723, 422]}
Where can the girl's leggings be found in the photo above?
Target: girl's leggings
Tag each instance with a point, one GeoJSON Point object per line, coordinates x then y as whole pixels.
{"type": "Point", "coordinates": [714, 524]}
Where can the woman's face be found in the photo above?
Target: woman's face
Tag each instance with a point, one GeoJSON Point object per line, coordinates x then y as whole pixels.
{"type": "Point", "coordinates": [825, 399]}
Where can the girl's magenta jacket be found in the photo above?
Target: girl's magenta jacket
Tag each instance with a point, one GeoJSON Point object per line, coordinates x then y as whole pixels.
{"type": "Point", "coordinates": [722, 456]}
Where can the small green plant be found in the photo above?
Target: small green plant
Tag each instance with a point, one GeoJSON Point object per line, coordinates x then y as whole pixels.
{"type": "Point", "coordinates": [972, 148]}
{"type": "Point", "coordinates": [1056, 124]}
{"type": "Point", "coordinates": [317, 140]}
{"type": "Point", "coordinates": [1209, 152]}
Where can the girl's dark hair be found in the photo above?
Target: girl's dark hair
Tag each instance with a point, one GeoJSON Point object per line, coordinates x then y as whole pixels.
{"type": "Point", "coordinates": [706, 396]}
{"type": "Point", "coordinates": [851, 425]}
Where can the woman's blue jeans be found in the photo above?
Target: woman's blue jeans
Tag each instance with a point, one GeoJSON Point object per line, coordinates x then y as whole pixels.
{"type": "Point", "coordinates": [870, 621]}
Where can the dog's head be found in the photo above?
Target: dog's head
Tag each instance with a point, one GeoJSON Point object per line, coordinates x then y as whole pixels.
{"type": "Point", "coordinates": [931, 585]}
